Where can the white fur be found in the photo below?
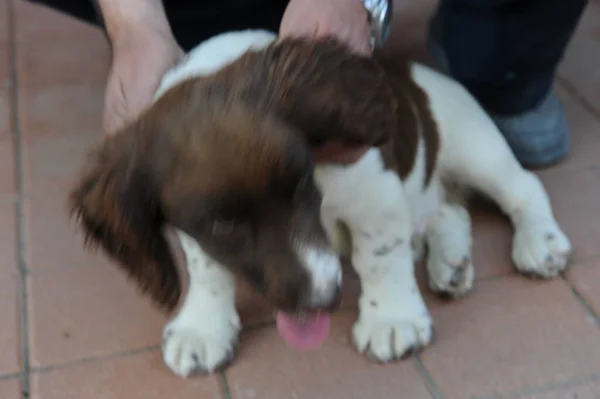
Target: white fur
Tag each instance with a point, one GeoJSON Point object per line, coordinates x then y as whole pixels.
{"type": "Point", "coordinates": [371, 201]}
{"type": "Point", "coordinates": [203, 334]}
{"type": "Point", "coordinates": [213, 54]}
{"type": "Point", "coordinates": [325, 270]}
{"type": "Point", "coordinates": [472, 153]}
{"type": "Point", "coordinates": [385, 216]}
{"type": "Point", "coordinates": [449, 260]}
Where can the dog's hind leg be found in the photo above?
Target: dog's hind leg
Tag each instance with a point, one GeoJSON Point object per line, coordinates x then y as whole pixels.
{"type": "Point", "coordinates": [449, 238]}
{"type": "Point", "coordinates": [481, 158]}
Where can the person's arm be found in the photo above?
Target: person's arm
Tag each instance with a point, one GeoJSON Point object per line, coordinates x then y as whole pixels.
{"type": "Point", "coordinates": [123, 16]}
{"type": "Point", "coordinates": [143, 50]}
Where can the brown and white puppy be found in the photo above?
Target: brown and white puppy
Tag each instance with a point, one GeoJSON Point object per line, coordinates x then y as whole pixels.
{"type": "Point", "coordinates": [225, 156]}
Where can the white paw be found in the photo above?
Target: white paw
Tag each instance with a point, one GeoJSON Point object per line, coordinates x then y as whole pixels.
{"type": "Point", "coordinates": [391, 329]}
{"type": "Point", "coordinates": [451, 272]}
{"type": "Point", "coordinates": [199, 347]}
{"type": "Point", "coordinates": [540, 249]}
{"type": "Point", "coordinates": [450, 277]}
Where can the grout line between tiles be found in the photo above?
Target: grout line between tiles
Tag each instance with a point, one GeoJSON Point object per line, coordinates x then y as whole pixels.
{"type": "Point", "coordinates": [11, 376]}
{"type": "Point", "coordinates": [18, 151]}
{"type": "Point", "coordinates": [547, 388]}
{"type": "Point", "coordinates": [225, 385]}
{"type": "Point", "coordinates": [116, 355]}
{"type": "Point", "coordinates": [583, 301]}
{"type": "Point", "coordinates": [430, 383]}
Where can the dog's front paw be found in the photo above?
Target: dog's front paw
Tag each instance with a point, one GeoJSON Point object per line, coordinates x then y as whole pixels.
{"type": "Point", "coordinates": [391, 329]}
{"type": "Point", "coordinates": [540, 248]}
{"type": "Point", "coordinates": [192, 347]}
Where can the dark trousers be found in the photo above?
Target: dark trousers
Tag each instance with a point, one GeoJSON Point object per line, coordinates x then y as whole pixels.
{"type": "Point", "coordinates": [505, 51]}
{"type": "Point", "coordinates": [194, 20]}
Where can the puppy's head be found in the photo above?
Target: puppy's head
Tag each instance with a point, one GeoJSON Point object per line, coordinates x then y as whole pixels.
{"type": "Point", "coordinates": [229, 161]}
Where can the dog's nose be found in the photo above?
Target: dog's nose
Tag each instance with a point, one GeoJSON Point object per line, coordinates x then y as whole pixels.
{"type": "Point", "coordinates": [325, 276]}
{"type": "Point", "coordinates": [328, 299]}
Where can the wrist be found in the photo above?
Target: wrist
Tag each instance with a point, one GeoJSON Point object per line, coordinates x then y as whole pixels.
{"type": "Point", "coordinates": [126, 18]}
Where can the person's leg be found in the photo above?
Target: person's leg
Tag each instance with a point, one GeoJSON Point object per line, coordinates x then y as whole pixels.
{"type": "Point", "coordinates": [80, 9]}
{"type": "Point", "coordinates": [194, 21]}
{"type": "Point", "coordinates": [506, 53]}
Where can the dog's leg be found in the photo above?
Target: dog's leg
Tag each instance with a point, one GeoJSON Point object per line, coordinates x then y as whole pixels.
{"type": "Point", "coordinates": [449, 264]}
{"type": "Point", "coordinates": [393, 318]}
{"type": "Point", "coordinates": [370, 201]}
{"type": "Point", "coordinates": [487, 164]}
{"type": "Point", "coordinates": [203, 335]}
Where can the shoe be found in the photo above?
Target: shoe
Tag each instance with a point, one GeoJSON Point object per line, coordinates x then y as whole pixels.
{"type": "Point", "coordinates": [538, 137]}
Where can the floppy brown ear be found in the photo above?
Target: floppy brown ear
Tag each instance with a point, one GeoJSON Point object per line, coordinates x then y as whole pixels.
{"type": "Point", "coordinates": [117, 206]}
{"type": "Point", "coordinates": [321, 87]}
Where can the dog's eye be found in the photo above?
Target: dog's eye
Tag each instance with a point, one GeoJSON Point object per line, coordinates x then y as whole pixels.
{"type": "Point", "coordinates": [303, 184]}
{"type": "Point", "coordinates": [306, 192]}
{"type": "Point", "coordinates": [223, 227]}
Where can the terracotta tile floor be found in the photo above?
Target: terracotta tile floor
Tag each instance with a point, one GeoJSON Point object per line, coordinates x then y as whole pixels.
{"type": "Point", "coordinates": [72, 327]}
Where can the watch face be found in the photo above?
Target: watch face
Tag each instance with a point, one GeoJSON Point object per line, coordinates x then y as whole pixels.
{"type": "Point", "coordinates": [387, 21]}
{"type": "Point", "coordinates": [387, 26]}
{"type": "Point", "coordinates": [380, 13]}
{"type": "Point", "coordinates": [380, 17]}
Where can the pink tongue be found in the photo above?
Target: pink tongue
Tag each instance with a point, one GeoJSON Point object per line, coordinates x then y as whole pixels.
{"type": "Point", "coordinates": [310, 333]}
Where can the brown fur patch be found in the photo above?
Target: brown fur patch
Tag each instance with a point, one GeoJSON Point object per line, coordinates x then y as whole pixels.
{"type": "Point", "coordinates": [227, 159]}
{"type": "Point", "coordinates": [415, 122]}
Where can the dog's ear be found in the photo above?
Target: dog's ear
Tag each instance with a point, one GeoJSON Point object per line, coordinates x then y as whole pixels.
{"type": "Point", "coordinates": [116, 203]}
{"type": "Point", "coordinates": [337, 98]}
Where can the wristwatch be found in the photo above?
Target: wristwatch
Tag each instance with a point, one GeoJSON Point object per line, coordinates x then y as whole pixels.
{"type": "Point", "coordinates": [380, 18]}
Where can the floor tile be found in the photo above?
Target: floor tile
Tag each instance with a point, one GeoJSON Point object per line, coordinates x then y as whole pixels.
{"type": "Point", "coordinates": [62, 66]}
{"type": "Point", "coordinates": [39, 110]}
{"type": "Point", "coordinates": [585, 145]}
{"type": "Point", "coordinates": [56, 49]}
{"type": "Point", "coordinates": [141, 376]}
{"type": "Point", "coordinates": [5, 66]}
{"type": "Point", "coordinates": [581, 65]}
{"type": "Point", "coordinates": [492, 243]}
{"type": "Point", "coordinates": [10, 389]}
{"type": "Point", "coordinates": [53, 239]}
{"type": "Point", "coordinates": [266, 369]}
{"type": "Point", "coordinates": [7, 150]}
{"type": "Point", "coordinates": [10, 330]}
{"type": "Point", "coordinates": [7, 163]}
{"type": "Point", "coordinates": [510, 334]}
{"type": "Point", "coordinates": [589, 390]}
{"type": "Point", "coordinates": [586, 278]}
{"type": "Point", "coordinates": [58, 161]}
{"type": "Point", "coordinates": [78, 313]}
{"type": "Point", "coordinates": [8, 237]}
{"type": "Point", "coordinates": [8, 181]}
{"type": "Point", "coordinates": [5, 105]}
{"type": "Point", "coordinates": [575, 196]}
{"type": "Point", "coordinates": [4, 25]}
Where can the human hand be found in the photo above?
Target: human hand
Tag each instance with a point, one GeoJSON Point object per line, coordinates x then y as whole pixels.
{"type": "Point", "coordinates": [345, 20]}
{"type": "Point", "coordinates": [141, 57]}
